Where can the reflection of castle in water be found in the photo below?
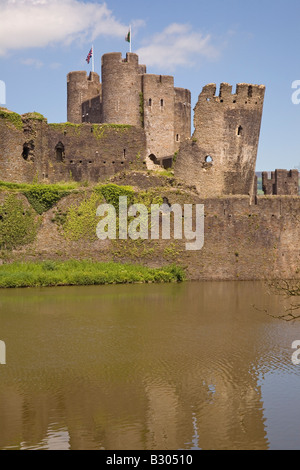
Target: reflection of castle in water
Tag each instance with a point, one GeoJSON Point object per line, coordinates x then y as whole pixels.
{"type": "Point", "coordinates": [143, 380]}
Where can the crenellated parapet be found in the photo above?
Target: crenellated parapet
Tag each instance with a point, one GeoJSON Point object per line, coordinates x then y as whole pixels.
{"type": "Point", "coordinates": [281, 182]}
{"type": "Point", "coordinates": [221, 156]}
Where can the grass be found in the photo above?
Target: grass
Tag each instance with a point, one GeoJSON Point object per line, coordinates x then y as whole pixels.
{"type": "Point", "coordinates": [82, 273]}
{"type": "Point", "coordinates": [64, 186]}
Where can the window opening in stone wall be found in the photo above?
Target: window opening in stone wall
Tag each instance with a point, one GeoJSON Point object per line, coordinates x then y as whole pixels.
{"type": "Point", "coordinates": [161, 103]}
{"type": "Point", "coordinates": [60, 152]}
{"type": "Point", "coordinates": [25, 153]}
{"type": "Point", "coordinates": [240, 130]}
{"type": "Point", "coordinates": [177, 137]}
{"type": "Point", "coordinates": [150, 102]}
{"type": "Point", "coordinates": [208, 159]}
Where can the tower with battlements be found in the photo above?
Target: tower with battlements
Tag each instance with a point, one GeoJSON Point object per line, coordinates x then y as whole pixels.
{"type": "Point", "coordinates": [128, 95]}
{"type": "Point", "coordinates": [220, 157]}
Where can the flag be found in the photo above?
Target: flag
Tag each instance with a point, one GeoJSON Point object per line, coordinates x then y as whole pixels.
{"type": "Point", "coordinates": [90, 55]}
{"type": "Point", "coordinates": [127, 37]}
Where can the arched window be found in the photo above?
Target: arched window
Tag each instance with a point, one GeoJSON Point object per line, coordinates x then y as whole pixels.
{"type": "Point", "coordinates": [208, 159]}
{"type": "Point", "coordinates": [60, 152]}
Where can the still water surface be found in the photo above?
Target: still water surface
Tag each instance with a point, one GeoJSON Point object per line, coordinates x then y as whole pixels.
{"type": "Point", "coordinates": [176, 366]}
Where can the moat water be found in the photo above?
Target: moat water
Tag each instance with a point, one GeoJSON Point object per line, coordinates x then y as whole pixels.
{"type": "Point", "coordinates": [199, 365]}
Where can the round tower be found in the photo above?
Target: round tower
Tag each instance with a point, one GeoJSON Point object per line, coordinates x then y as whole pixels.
{"type": "Point", "coordinates": [80, 88]}
{"type": "Point", "coordinates": [121, 88]}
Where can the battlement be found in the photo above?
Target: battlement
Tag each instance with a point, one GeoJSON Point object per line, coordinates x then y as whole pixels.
{"type": "Point", "coordinates": [164, 80]}
{"type": "Point", "coordinates": [82, 76]}
{"type": "Point", "coordinates": [116, 57]}
{"type": "Point", "coordinates": [281, 182]}
{"type": "Point", "coordinates": [245, 94]}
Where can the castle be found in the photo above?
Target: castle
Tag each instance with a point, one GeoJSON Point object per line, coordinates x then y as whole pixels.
{"type": "Point", "coordinates": [132, 120]}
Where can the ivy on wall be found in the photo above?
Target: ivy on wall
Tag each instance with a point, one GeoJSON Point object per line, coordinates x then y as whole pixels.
{"type": "Point", "coordinates": [18, 225]}
{"type": "Point", "coordinates": [42, 197]}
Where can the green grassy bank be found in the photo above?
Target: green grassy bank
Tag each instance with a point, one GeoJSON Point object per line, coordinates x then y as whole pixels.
{"type": "Point", "coordinates": [81, 273]}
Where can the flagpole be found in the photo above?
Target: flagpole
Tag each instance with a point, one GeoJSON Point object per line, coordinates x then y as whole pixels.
{"type": "Point", "coordinates": [93, 61]}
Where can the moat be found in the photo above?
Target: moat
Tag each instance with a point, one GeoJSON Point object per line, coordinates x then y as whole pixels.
{"type": "Point", "coordinates": [197, 365]}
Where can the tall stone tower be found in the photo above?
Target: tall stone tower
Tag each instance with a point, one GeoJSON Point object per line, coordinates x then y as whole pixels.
{"type": "Point", "coordinates": [128, 95]}
{"type": "Point", "coordinates": [80, 88]}
{"type": "Point", "coordinates": [121, 88]}
{"type": "Point", "coordinates": [220, 157]}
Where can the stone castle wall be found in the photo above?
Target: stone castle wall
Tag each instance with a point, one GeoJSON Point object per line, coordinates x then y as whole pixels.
{"type": "Point", "coordinates": [60, 152]}
{"type": "Point", "coordinates": [241, 241]}
{"type": "Point", "coordinates": [281, 182]}
{"type": "Point", "coordinates": [81, 88]}
{"type": "Point", "coordinates": [128, 95]}
{"type": "Point", "coordinates": [220, 157]}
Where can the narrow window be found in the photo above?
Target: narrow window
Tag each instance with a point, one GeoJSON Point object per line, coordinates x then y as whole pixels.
{"type": "Point", "coordinates": [240, 130]}
{"type": "Point", "coordinates": [161, 103]}
{"type": "Point", "coordinates": [124, 153]}
{"type": "Point", "coordinates": [150, 102]}
{"type": "Point", "coordinates": [25, 153]}
{"type": "Point", "coordinates": [60, 152]}
{"type": "Point", "coordinates": [177, 137]}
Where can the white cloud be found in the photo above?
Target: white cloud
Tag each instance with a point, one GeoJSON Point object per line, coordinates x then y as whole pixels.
{"type": "Point", "coordinates": [38, 23]}
{"type": "Point", "coordinates": [178, 44]}
{"type": "Point", "coordinates": [32, 63]}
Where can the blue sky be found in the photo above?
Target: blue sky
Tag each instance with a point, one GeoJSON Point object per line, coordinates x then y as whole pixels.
{"type": "Point", "coordinates": [198, 42]}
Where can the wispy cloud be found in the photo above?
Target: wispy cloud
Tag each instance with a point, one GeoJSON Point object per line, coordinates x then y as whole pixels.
{"type": "Point", "coordinates": [38, 23]}
{"type": "Point", "coordinates": [32, 63]}
{"type": "Point", "coordinates": [177, 45]}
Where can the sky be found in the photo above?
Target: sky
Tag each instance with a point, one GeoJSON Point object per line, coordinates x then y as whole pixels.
{"type": "Point", "coordinates": [196, 41]}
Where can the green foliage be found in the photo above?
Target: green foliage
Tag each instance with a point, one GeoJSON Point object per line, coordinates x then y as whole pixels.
{"type": "Point", "coordinates": [67, 127]}
{"type": "Point", "coordinates": [27, 186]}
{"type": "Point", "coordinates": [111, 193]}
{"type": "Point", "coordinates": [171, 252]}
{"type": "Point", "coordinates": [132, 249]}
{"type": "Point", "coordinates": [80, 222]}
{"type": "Point", "coordinates": [12, 118]}
{"type": "Point", "coordinates": [147, 198]}
{"type": "Point", "coordinates": [174, 158]}
{"type": "Point", "coordinates": [86, 272]}
{"type": "Point", "coordinates": [35, 116]}
{"type": "Point", "coordinates": [18, 226]}
{"type": "Point", "coordinates": [44, 197]}
{"type": "Point", "coordinates": [99, 129]}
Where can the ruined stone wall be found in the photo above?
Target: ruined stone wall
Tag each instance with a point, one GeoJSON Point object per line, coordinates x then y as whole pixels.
{"type": "Point", "coordinates": [121, 88]}
{"type": "Point", "coordinates": [159, 110]}
{"type": "Point", "coordinates": [60, 152]}
{"type": "Point", "coordinates": [220, 157]}
{"type": "Point", "coordinates": [80, 88]}
{"type": "Point", "coordinates": [182, 116]}
{"type": "Point", "coordinates": [241, 241]}
{"type": "Point", "coordinates": [281, 182]}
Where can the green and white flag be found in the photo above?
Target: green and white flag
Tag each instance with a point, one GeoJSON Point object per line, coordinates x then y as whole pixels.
{"type": "Point", "coordinates": [128, 37]}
